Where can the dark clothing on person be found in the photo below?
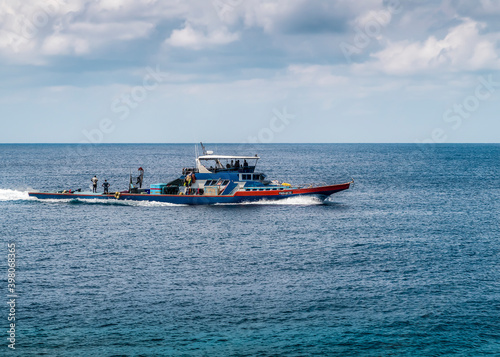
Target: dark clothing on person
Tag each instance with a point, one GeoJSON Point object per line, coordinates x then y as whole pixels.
{"type": "Point", "coordinates": [140, 178]}
{"type": "Point", "coordinates": [106, 186]}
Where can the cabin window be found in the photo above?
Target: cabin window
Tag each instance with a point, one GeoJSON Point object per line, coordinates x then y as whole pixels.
{"type": "Point", "coordinates": [225, 182]}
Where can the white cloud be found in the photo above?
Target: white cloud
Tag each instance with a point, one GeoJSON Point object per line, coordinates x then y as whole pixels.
{"type": "Point", "coordinates": [463, 48]}
{"type": "Point", "coordinates": [64, 44]}
{"type": "Point", "coordinates": [188, 37]}
{"type": "Point", "coordinates": [31, 31]}
{"type": "Point", "coordinates": [259, 14]}
{"type": "Point", "coordinates": [81, 38]}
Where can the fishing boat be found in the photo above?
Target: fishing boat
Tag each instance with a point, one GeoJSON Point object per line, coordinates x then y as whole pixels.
{"type": "Point", "coordinates": [213, 179]}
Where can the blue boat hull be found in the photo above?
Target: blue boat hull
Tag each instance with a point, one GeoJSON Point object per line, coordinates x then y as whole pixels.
{"type": "Point", "coordinates": [242, 196]}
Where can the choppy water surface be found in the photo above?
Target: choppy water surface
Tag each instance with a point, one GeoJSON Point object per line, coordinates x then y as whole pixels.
{"type": "Point", "coordinates": [404, 263]}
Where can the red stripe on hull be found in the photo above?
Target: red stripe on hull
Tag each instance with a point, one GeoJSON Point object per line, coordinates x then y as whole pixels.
{"type": "Point", "coordinates": [323, 190]}
{"type": "Point", "coordinates": [326, 190]}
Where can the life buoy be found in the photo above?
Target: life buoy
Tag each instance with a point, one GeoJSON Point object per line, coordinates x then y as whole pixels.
{"type": "Point", "coordinates": [117, 195]}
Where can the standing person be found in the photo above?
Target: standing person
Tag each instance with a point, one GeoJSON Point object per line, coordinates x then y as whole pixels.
{"type": "Point", "coordinates": [106, 186]}
{"type": "Point", "coordinates": [140, 177]}
{"type": "Point", "coordinates": [94, 183]}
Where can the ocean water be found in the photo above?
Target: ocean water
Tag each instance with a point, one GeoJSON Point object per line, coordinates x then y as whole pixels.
{"type": "Point", "coordinates": [405, 263]}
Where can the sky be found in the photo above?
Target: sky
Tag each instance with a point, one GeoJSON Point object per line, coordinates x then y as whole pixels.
{"type": "Point", "coordinates": [238, 71]}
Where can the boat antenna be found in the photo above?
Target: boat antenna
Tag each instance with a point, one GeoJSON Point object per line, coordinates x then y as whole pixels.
{"type": "Point", "coordinates": [203, 147]}
{"type": "Point", "coordinates": [130, 181]}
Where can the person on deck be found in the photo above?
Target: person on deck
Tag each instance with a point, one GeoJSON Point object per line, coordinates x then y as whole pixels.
{"type": "Point", "coordinates": [106, 186]}
{"type": "Point", "coordinates": [140, 177]}
{"type": "Point", "coordinates": [94, 183]}
{"type": "Point", "coordinates": [245, 163]}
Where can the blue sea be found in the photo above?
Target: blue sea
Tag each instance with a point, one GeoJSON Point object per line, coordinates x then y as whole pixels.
{"type": "Point", "coordinates": [404, 263]}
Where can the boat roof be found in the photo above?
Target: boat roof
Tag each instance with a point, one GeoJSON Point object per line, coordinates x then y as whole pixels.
{"type": "Point", "coordinates": [227, 157]}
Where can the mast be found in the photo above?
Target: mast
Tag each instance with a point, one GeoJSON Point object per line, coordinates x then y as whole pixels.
{"type": "Point", "coordinates": [203, 147]}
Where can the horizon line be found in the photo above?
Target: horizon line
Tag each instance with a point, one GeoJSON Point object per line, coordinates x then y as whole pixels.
{"type": "Point", "coordinates": [237, 143]}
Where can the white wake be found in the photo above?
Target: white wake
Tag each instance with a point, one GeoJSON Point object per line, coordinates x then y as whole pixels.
{"type": "Point", "coordinates": [289, 201]}
{"type": "Point", "coordinates": [110, 202]}
{"type": "Point", "coordinates": [13, 195]}
{"type": "Point", "coordinates": [17, 195]}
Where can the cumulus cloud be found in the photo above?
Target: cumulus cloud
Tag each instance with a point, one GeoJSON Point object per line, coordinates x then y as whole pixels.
{"type": "Point", "coordinates": [262, 32]}
{"type": "Point", "coordinates": [465, 47]}
{"type": "Point", "coordinates": [31, 31]}
{"type": "Point", "coordinates": [80, 38]}
{"type": "Point", "coordinates": [188, 37]}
